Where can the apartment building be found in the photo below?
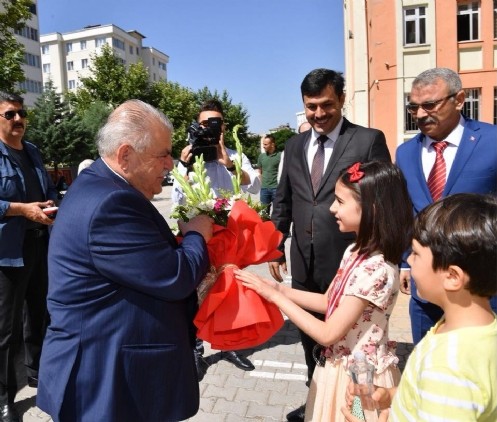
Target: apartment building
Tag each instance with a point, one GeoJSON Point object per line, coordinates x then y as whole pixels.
{"type": "Point", "coordinates": [30, 38]}
{"type": "Point", "coordinates": [66, 57]}
{"type": "Point", "coordinates": [389, 42]}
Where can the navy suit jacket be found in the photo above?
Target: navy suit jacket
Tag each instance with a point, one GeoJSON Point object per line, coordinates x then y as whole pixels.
{"type": "Point", "coordinates": [474, 169]}
{"type": "Point", "coordinates": [317, 244]}
{"type": "Point", "coordinates": [121, 300]}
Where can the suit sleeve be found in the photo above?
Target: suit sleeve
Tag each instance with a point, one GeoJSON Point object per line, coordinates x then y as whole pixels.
{"type": "Point", "coordinates": [130, 246]}
{"type": "Point", "coordinates": [379, 150]}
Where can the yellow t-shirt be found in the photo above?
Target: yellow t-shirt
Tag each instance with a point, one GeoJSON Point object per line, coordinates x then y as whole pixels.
{"type": "Point", "coordinates": [450, 377]}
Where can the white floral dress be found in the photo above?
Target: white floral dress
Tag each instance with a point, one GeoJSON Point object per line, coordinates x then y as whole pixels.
{"type": "Point", "coordinates": [377, 281]}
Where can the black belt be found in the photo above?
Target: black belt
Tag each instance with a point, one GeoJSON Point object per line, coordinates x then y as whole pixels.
{"type": "Point", "coordinates": [36, 233]}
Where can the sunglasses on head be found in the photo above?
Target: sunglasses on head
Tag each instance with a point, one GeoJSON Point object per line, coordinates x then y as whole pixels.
{"type": "Point", "coordinates": [9, 115]}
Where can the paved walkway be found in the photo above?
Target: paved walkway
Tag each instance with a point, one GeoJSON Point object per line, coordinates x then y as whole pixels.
{"type": "Point", "coordinates": [274, 388]}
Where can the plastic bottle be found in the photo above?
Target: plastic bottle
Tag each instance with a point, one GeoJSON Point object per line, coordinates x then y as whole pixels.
{"type": "Point", "coordinates": [362, 374]}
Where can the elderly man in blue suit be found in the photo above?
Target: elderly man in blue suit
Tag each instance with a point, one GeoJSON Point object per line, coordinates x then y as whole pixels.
{"type": "Point", "coordinates": [121, 290]}
{"type": "Point", "coordinates": [465, 149]}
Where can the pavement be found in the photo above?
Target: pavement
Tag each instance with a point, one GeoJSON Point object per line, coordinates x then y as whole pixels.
{"type": "Point", "coordinates": [274, 388]}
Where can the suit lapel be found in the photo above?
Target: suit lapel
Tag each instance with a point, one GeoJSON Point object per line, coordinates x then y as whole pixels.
{"type": "Point", "coordinates": [469, 140]}
{"type": "Point", "coordinates": [417, 170]}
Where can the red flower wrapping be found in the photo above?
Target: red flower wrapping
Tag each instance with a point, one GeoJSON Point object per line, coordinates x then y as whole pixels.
{"type": "Point", "coordinates": [232, 317]}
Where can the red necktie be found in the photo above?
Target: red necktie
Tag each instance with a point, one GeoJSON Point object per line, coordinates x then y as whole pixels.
{"type": "Point", "coordinates": [436, 179]}
{"type": "Point", "coordinates": [318, 164]}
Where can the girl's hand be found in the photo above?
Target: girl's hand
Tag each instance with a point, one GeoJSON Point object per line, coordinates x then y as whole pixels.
{"type": "Point", "coordinates": [262, 286]}
{"type": "Point", "coordinates": [349, 417]}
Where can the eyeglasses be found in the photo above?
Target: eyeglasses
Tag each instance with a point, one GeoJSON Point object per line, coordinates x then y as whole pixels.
{"type": "Point", "coordinates": [9, 115]}
{"type": "Point", "coordinates": [428, 105]}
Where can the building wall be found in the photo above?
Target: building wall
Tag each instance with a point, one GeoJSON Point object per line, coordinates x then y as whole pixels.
{"type": "Point", "coordinates": [380, 66]}
{"type": "Point", "coordinates": [29, 37]}
{"type": "Point", "coordinates": [65, 68]}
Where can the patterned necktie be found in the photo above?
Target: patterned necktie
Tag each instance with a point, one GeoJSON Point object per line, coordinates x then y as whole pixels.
{"type": "Point", "coordinates": [318, 164]}
{"type": "Point", "coordinates": [436, 179]}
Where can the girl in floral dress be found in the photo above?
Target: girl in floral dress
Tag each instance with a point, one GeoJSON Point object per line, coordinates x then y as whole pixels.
{"type": "Point", "coordinates": [371, 200]}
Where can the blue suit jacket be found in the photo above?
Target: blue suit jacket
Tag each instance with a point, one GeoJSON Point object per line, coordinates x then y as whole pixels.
{"type": "Point", "coordinates": [121, 300]}
{"type": "Point", "coordinates": [474, 169]}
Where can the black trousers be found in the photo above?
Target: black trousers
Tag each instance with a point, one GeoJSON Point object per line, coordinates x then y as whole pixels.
{"type": "Point", "coordinates": [23, 312]}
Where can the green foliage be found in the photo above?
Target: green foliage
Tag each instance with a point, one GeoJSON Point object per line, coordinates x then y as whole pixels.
{"type": "Point", "coordinates": [111, 82]}
{"type": "Point", "coordinates": [281, 136]}
{"type": "Point", "coordinates": [58, 132]}
{"type": "Point", "coordinates": [14, 16]}
{"type": "Point", "coordinates": [179, 105]}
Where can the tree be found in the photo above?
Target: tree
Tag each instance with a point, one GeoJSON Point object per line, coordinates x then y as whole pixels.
{"type": "Point", "coordinates": [281, 136]}
{"type": "Point", "coordinates": [111, 82]}
{"type": "Point", "coordinates": [179, 105]}
{"type": "Point", "coordinates": [58, 132]}
{"type": "Point", "coordinates": [14, 16]}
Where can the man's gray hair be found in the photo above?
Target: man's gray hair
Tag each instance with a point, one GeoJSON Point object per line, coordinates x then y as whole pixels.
{"type": "Point", "coordinates": [129, 124]}
{"type": "Point", "coordinates": [431, 76]}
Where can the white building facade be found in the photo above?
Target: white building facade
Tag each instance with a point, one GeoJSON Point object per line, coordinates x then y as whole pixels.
{"type": "Point", "coordinates": [66, 58]}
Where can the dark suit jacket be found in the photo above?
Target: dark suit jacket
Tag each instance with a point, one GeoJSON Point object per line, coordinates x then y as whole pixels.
{"type": "Point", "coordinates": [474, 169]}
{"type": "Point", "coordinates": [121, 300]}
{"type": "Point", "coordinates": [313, 224]}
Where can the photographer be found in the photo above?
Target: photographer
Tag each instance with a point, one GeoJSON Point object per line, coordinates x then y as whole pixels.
{"type": "Point", "coordinates": [208, 138]}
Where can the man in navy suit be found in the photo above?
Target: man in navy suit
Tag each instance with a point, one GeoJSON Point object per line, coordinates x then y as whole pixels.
{"type": "Point", "coordinates": [121, 290]}
{"type": "Point", "coordinates": [470, 157]}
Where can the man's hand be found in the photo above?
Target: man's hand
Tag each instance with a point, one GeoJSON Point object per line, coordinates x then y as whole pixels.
{"type": "Point", "coordinates": [32, 211]}
{"type": "Point", "coordinates": [186, 154]}
{"type": "Point", "coordinates": [274, 270]}
{"type": "Point", "coordinates": [405, 281]}
{"type": "Point", "coordinates": [222, 155]}
{"type": "Point", "coordinates": [201, 224]}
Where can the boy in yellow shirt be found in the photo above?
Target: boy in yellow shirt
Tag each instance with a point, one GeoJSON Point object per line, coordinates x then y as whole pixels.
{"type": "Point", "coordinates": [452, 372]}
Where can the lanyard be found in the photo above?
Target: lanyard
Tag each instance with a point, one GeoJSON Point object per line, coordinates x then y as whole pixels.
{"type": "Point", "coordinates": [339, 283]}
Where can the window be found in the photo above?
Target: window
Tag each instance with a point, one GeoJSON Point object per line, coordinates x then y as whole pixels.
{"type": "Point", "coordinates": [45, 49]}
{"type": "Point", "coordinates": [99, 42]}
{"type": "Point", "coordinates": [32, 9]}
{"type": "Point", "coordinates": [68, 47]}
{"type": "Point", "coordinates": [84, 63]}
{"type": "Point", "coordinates": [32, 60]}
{"type": "Point", "coordinates": [471, 107]}
{"type": "Point", "coordinates": [153, 61]}
{"type": "Point", "coordinates": [46, 68]}
{"type": "Point", "coordinates": [495, 106]}
{"type": "Point", "coordinates": [415, 26]}
{"type": "Point", "coordinates": [71, 84]}
{"type": "Point", "coordinates": [118, 43]}
{"type": "Point", "coordinates": [82, 45]}
{"type": "Point", "coordinates": [130, 49]}
{"type": "Point", "coordinates": [29, 85]}
{"type": "Point", "coordinates": [468, 17]}
{"type": "Point", "coordinates": [495, 18]}
{"type": "Point", "coordinates": [28, 32]}
{"type": "Point", "coordinates": [137, 51]}
{"type": "Point", "coordinates": [70, 65]}
{"type": "Point", "coordinates": [162, 66]}
{"type": "Point", "coordinates": [410, 124]}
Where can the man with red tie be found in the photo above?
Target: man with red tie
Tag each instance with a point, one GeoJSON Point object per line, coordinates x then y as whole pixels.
{"type": "Point", "coordinates": [452, 154]}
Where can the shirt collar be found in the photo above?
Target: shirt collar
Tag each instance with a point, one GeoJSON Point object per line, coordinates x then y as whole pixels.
{"type": "Point", "coordinates": [332, 136]}
{"type": "Point", "coordinates": [454, 137]}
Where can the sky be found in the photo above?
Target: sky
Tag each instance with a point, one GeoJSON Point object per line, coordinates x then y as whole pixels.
{"type": "Point", "coordinates": [257, 50]}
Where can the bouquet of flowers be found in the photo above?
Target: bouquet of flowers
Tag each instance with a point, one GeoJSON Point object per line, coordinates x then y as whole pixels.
{"type": "Point", "coordinates": [230, 316]}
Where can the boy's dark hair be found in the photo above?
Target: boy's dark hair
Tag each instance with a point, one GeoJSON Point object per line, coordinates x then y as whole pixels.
{"type": "Point", "coordinates": [461, 230]}
{"type": "Point", "coordinates": [11, 97]}
{"type": "Point", "coordinates": [318, 79]}
{"type": "Point", "coordinates": [386, 217]}
{"type": "Point", "coordinates": [211, 105]}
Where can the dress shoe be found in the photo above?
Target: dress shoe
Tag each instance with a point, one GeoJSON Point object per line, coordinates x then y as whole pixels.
{"type": "Point", "coordinates": [8, 413]}
{"type": "Point", "coordinates": [296, 415]}
{"type": "Point", "coordinates": [201, 365]}
{"type": "Point", "coordinates": [33, 382]}
{"type": "Point", "coordinates": [238, 360]}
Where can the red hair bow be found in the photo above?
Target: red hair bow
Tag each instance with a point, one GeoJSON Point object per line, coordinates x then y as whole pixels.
{"type": "Point", "coordinates": [355, 173]}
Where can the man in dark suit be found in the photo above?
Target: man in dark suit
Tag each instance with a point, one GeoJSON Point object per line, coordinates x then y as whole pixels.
{"type": "Point", "coordinates": [121, 290]}
{"type": "Point", "coordinates": [469, 156]}
{"type": "Point", "coordinates": [317, 245]}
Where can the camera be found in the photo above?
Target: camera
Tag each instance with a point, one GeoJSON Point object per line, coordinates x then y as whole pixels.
{"type": "Point", "coordinates": [204, 140]}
